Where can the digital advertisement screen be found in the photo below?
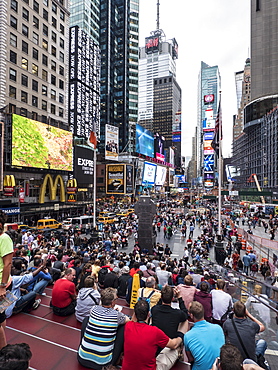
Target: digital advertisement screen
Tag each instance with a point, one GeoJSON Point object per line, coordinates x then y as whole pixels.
{"type": "Point", "coordinates": [160, 175]}
{"type": "Point", "coordinates": [111, 142]}
{"type": "Point", "coordinates": [149, 173]}
{"type": "Point", "coordinates": [139, 172]}
{"type": "Point", "coordinates": [129, 179]}
{"type": "Point", "coordinates": [208, 149]}
{"type": "Point", "coordinates": [151, 44]}
{"type": "Point", "coordinates": [115, 179]}
{"type": "Point", "coordinates": [209, 135]}
{"type": "Point", "coordinates": [159, 142]}
{"type": "Point", "coordinates": [208, 176]}
{"type": "Point", "coordinates": [83, 165]}
{"type": "Point", "coordinates": [144, 141]}
{"type": "Point", "coordinates": [208, 125]}
{"type": "Point", "coordinates": [36, 144]}
{"type": "Point", "coordinates": [209, 163]}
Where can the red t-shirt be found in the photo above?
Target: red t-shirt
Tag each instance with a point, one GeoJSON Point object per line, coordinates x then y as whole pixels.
{"type": "Point", "coordinates": [62, 292]}
{"type": "Point", "coordinates": [140, 345]}
{"type": "Point", "coordinates": [133, 271]}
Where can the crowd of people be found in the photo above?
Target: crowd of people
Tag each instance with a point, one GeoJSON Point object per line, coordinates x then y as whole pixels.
{"type": "Point", "coordinates": [88, 275]}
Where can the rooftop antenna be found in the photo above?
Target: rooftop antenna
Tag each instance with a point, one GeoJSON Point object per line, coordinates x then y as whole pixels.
{"type": "Point", "coordinates": [157, 20]}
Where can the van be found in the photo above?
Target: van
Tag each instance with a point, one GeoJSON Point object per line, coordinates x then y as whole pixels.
{"type": "Point", "coordinates": [67, 223]}
{"type": "Point", "coordinates": [79, 223]}
{"type": "Point", "coordinates": [49, 223]}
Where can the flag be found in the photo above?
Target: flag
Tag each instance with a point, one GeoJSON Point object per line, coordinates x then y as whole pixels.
{"type": "Point", "coordinates": [217, 131]}
{"type": "Point", "coordinates": [92, 140]}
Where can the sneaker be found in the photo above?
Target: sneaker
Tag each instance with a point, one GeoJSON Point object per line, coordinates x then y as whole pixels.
{"type": "Point", "coordinates": [36, 304]}
{"type": "Point", "coordinates": [43, 293]}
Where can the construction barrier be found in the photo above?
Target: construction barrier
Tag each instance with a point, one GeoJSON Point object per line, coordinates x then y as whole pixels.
{"type": "Point", "coordinates": [243, 244]}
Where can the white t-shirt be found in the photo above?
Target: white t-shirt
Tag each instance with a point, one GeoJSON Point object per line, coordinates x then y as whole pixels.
{"type": "Point", "coordinates": [221, 301]}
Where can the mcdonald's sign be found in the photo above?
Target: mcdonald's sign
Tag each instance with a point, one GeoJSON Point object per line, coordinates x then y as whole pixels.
{"type": "Point", "coordinates": [53, 187]}
{"type": "Point", "coordinates": [71, 198]}
{"type": "Point", "coordinates": [72, 186]}
{"type": "Point", "coordinates": [9, 185]}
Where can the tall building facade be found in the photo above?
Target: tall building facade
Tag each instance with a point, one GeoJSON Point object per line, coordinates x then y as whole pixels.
{"type": "Point", "coordinates": [157, 59]}
{"type": "Point", "coordinates": [255, 150]}
{"type": "Point", "coordinates": [209, 82]}
{"type": "Point", "coordinates": [119, 44]}
{"type": "Point", "coordinates": [264, 48]}
{"type": "Point", "coordinates": [243, 91]}
{"type": "Point", "coordinates": [166, 104]}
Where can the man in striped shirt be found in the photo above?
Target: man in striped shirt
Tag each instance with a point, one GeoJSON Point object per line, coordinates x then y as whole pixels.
{"type": "Point", "coordinates": [102, 333]}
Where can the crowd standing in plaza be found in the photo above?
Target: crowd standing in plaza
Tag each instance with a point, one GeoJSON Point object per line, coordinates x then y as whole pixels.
{"type": "Point", "coordinates": [90, 272]}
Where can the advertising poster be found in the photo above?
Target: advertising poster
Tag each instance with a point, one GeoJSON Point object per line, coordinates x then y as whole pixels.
{"type": "Point", "coordinates": [171, 177]}
{"type": "Point", "coordinates": [208, 149]}
{"type": "Point", "coordinates": [208, 125]}
{"type": "Point", "coordinates": [129, 179]}
{"type": "Point", "coordinates": [38, 145]}
{"type": "Point", "coordinates": [159, 142]}
{"type": "Point", "coordinates": [160, 175]}
{"type": "Point", "coordinates": [115, 180]}
{"type": "Point", "coordinates": [208, 176]}
{"type": "Point", "coordinates": [144, 141]}
{"type": "Point", "coordinates": [111, 142]}
{"type": "Point", "coordinates": [209, 135]}
{"type": "Point", "coordinates": [139, 172]}
{"type": "Point", "coordinates": [209, 163]}
{"type": "Point", "coordinates": [149, 173]}
{"type": "Point", "coordinates": [83, 165]}
{"type": "Point", "coordinates": [171, 156]}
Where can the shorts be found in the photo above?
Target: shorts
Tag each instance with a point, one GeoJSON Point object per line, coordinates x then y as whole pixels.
{"type": "Point", "coordinates": [2, 317]}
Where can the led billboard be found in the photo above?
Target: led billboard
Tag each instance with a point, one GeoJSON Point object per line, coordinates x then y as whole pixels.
{"type": "Point", "coordinates": [111, 142]}
{"type": "Point", "coordinates": [209, 99]}
{"type": "Point", "coordinates": [149, 173]}
{"type": "Point", "coordinates": [151, 44]}
{"type": "Point", "coordinates": [209, 163]}
{"type": "Point", "coordinates": [208, 149]}
{"type": "Point", "coordinates": [115, 179]}
{"type": "Point", "coordinates": [209, 135]}
{"type": "Point", "coordinates": [208, 125]}
{"type": "Point", "coordinates": [129, 179]}
{"type": "Point", "coordinates": [83, 165]}
{"type": "Point", "coordinates": [139, 172]}
{"type": "Point", "coordinates": [161, 173]}
{"type": "Point", "coordinates": [38, 145]}
{"type": "Point", "coordinates": [144, 141]}
{"type": "Point", "coordinates": [159, 143]}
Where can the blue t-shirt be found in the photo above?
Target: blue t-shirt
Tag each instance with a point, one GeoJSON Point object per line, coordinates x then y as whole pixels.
{"type": "Point", "coordinates": [204, 341]}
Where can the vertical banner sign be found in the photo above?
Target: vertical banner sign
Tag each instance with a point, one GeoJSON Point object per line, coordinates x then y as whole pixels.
{"type": "Point", "coordinates": [134, 290]}
{"type": "Point", "coordinates": [129, 179]}
{"type": "Point", "coordinates": [111, 142]}
{"type": "Point", "coordinates": [115, 179]}
{"type": "Point", "coordinates": [21, 195]}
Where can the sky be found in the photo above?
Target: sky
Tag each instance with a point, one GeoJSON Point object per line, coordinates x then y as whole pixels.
{"type": "Point", "coordinates": [216, 32]}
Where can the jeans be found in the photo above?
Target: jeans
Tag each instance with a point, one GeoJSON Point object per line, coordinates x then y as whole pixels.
{"type": "Point", "coordinates": [25, 302]}
{"type": "Point", "coordinates": [40, 286]}
{"type": "Point", "coordinates": [245, 269]}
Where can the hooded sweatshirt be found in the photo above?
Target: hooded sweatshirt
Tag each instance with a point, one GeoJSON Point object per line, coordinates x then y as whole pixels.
{"type": "Point", "coordinates": [85, 302]}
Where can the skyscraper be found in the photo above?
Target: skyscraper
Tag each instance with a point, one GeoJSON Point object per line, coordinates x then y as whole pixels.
{"type": "Point", "coordinates": [119, 34]}
{"type": "Point", "coordinates": [209, 83]}
{"type": "Point", "coordinates": [157, 60]}
{"type": "Point", "coordinates": [264, 48]}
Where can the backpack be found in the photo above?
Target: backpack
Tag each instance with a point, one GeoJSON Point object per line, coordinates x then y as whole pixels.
{"type": "Point", "coordinates": [101, 276]}
{"type": "Point", "coordinates": [148, 299]}
{"type": "Point", "coordinates": [254, 267]}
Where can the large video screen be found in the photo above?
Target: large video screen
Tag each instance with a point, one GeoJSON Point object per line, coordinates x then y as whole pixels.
{"type": "Point", "coordinates": [161, 173]}
{"type": "Point", "coordinates": [36, 144]}
{"type": "Point", "coordinates": [144, 141]}
{"type": "Point", "coordinates": [159, 143]}
{"type": "Point", "coordinates": [149, 173]}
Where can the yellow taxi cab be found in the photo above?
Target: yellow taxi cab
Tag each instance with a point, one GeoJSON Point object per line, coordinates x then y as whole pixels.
{"type": "Point", "coordinates": [123, 214]}
{"type": "Point", "coordinates": [48, 223]}
{"type": "Point", "coordinates": [105, 220]}
{"type": "Point", "coordinates": [130, 210]}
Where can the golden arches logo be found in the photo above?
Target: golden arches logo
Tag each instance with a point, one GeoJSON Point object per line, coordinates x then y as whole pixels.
{"type": "Point", "coordinates": [9, 180]}
{"type": "Point", "coordinates": [71, 198]}
{"type": "Point", "coordinates": [72, 186]}
{"type": "Point", "coordinates": [53, 187]}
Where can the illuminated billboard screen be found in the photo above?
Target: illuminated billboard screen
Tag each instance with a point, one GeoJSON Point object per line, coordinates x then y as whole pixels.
{"type": "Point", "coordinates": [151, 44]}
{"type": "Point", "coordinates": [161, 173]}
{"type": "Point", "coordinates": [111, 142]}
{"type": "Point", "coordinates": [209, 135]}
{"type": "Point", "coordinates": [38, 145]}
{"type": "Point", "coordinates": [209, 99]}
{"type": "Point", "coordinates": [159, 142]}
{"type": "Point", "coordinates": [83, 165]}
{"type": "Point", "coordinates": [115, 179]}
{"type": "Point", "coordinates": [129, 179]}
{"type": "Point", "coordinates": [209, 163]}
{"type": "Point", "coordinates": [208, 149]}
{"type": "Point", "coordinates": [144, 141]}
{"type": "Point", "coordinates": [149, 173]}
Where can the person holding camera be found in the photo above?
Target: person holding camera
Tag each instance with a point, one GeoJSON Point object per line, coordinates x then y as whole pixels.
{"type": "Point", "coordinates": [241, 331]}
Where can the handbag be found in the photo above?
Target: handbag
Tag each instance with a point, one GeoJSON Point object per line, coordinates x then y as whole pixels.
{"type": "Point", "coordinates": [260, 359]}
